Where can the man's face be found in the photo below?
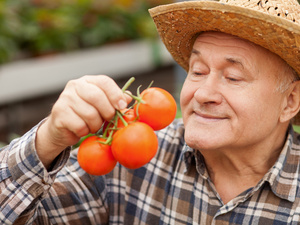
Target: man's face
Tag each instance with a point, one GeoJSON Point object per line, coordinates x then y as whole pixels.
{"type": "Point", "coordinates": [229, 99]}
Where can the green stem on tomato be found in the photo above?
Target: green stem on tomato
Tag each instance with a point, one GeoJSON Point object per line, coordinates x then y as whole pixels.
{"type": "Point", "coordinates": [138, 102]}
{"type": "Point", "coordinates": [150, 84]}
{"type": "Point", "coordinates": [127, 84]}
{"type": "Point", "coordinates": [108, 139]}
{"type": "Point", "coordinates": [119, 114]}
{"type": "Point", "coordinates": [137, 110]}
{"type": "Point", "coordinates": [125, 87]}
{"type": "Point", "coordinates": [106, 130]}
{"type": "Point", "coordinates": [116, 116]}
{"type": "Point", "coordinates": [137, 98]}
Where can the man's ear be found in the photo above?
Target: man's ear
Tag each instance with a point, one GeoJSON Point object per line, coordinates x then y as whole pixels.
{"type": "Point", "coordinates": [292, 102]}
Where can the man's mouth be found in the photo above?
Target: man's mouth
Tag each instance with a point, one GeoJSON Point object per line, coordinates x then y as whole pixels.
{"type": "Point", "coordinates": [204, 117]}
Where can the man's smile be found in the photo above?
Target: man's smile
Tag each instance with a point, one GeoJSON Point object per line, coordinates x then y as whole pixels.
{"type": "Point", "coordinates": [205, 117]}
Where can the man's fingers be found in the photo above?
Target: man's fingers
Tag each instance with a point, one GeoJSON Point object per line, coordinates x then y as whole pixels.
{"type": "Point", "coordinates": [89, 101]}
{"type": "Point", "coordinates": [112, 91]}
{"type": "Point", "coordinates": [96, 98]}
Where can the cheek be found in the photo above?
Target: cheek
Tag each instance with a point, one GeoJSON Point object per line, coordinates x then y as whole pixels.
{"type": "Point", "coordinates": [252, 108]}
{"type": "Point", "coordinates": [186, 95]}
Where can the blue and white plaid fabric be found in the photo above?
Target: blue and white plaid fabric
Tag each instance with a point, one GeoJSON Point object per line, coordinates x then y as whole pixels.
{"type": "Point", "coordinates": [174, 188]}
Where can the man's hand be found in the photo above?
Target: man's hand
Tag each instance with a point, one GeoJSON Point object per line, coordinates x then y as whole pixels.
{"type": "Point", "coordinates": [81, 109]}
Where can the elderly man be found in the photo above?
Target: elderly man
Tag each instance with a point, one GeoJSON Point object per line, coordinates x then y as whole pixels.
{"type": "Point", "coordinates": [232, 159]}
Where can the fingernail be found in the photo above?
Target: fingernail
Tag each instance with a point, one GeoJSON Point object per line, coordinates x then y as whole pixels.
{"type": "Point", "coordinates": [122, 104]}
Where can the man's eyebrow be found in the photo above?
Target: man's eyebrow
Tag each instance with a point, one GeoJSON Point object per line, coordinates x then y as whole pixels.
{"type": "Point", "coordinates": [196, 52]}
{"type": "Point", "coordinates": [235, 61]}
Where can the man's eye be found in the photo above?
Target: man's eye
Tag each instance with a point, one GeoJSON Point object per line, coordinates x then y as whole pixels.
{"type": "Point", "coordinates": [232, 79]}
{"type": "Point", "coordinates": [198, 73]}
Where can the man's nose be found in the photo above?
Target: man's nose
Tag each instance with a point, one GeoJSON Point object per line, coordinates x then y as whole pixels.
{"type": "Point", "coordinates": [209, 90]}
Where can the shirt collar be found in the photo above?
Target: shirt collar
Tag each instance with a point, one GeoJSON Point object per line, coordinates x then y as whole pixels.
{"type": "Point", "coordinates": [283, 176]}
{"type": "Point", "coordinates": [194, 157]}
{"type": "Point", "coordinates": [188, 156]}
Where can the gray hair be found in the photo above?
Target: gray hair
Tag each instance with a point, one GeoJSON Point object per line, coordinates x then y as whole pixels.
{"type": "Point", "coordinates": [287, 76]}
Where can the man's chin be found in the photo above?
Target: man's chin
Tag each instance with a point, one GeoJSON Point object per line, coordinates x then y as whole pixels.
{"type": "Point", "coordinates": [198, 141]}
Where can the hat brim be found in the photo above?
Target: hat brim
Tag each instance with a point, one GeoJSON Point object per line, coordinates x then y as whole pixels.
{"type": "Point", "coordinates": [178, 25]}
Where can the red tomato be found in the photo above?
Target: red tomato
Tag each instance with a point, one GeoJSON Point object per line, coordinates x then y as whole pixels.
{"type": "Point", "coordinates": [129, 116]}
{"type": "Point", "coordinates": [94, 157]}
{"type": "Point", "coordinates": [134, 145]}
{"type": "Point", "coordinates": [159, 109]}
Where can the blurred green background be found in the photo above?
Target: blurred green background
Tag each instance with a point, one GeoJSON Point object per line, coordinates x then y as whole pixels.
{"type": "Point", "coordinates": [31, 28]}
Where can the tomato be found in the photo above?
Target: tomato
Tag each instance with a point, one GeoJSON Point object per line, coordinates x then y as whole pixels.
{"type": "Point", "coordinates": [94, 157]}
{"type": "Point", "coordinates": [134, 145]}
{"type": "Point", "coordinates": [159, 109]}
{"type": "Point", "coordinates": [128, 115]}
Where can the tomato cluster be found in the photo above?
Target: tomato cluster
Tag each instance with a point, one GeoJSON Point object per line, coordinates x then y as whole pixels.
{"type": "Point", "coordinates": [129, 138]}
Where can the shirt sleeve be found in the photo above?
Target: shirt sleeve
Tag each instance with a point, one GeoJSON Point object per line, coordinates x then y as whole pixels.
{"type": "Point", "coordinates": [24, 181]}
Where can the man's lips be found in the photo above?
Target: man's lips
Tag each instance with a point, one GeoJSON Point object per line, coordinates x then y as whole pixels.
{"type": "Point", "coordinates": [209, 117]}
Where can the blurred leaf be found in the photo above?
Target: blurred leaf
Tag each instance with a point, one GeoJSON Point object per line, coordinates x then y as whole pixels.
{"type": "Point", "coordinates": [36, 27]}
{"type": "Point", "coordinates": [297, 128]}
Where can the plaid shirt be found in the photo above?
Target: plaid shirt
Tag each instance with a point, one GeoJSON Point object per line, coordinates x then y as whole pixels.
{"type": "Point", "coordinates": [174, 188]}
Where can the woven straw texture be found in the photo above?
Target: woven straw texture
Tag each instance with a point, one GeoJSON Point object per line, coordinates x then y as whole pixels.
{"type": "Point", "coordinates": [272, 24]}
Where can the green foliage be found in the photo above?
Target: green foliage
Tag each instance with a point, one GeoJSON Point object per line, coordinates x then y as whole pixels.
{"type": "Point", "coordinates": [31, 28]}
{"type": "Point", "coordinates": [297, 128]}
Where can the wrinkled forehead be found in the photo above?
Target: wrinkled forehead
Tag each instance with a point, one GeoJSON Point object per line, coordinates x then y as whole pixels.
{"type": "Point", "coordinates": [228, 39]}
{"type": "Point", "coordinates": [261, 54]}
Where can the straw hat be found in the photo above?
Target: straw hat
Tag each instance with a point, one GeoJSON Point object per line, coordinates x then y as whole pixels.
{"type": "Point", "coordinates": [272, 24]}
